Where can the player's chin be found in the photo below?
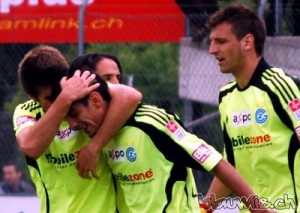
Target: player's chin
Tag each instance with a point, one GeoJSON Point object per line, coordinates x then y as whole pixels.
{"type": "Point", "coordinates": [225, 70]}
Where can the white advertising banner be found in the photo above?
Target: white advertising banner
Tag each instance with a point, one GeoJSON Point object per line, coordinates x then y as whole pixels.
{"type": "Point", "coordinates": [19, 204]}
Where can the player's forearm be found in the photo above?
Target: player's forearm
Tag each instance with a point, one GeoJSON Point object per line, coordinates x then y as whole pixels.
{"type": "Point", "coordinates": [122, 105]}
{"type": "Point", "coordinates": [217, 192]}
{"type": "Point", "coordinates": [227, 174]}
{"type": "Point", "coordinates": [34, 140]}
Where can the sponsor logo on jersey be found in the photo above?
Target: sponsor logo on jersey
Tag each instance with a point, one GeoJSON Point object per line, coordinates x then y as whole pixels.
{"type": "Point", "coordinates": [120, 154]}
{"type": "Point", "coordinates": [117, 154]}
{"type": "Point", "coordinates": [251, 140]}
{"type": "Point", "coordinates": [261, 116]}
{"type": "Point", "coordinates": [24, 119]}
{"type": "Point", "coordinates": [62, 160]}
{"type": "Point", "coordinates": [174, 128]}
{"type": "Point", "coordinates": [295, 108]}
{"type": "Point", "coordinates": [135, 178]}
{"type": "Point", "coordinates": [131, 154]}
{"type": "Point", "coordinates": [64, 134]}
{"type": "Point", "coordinates": [242, 118]}
{"type": "Point", "coordinates": [202, 153]}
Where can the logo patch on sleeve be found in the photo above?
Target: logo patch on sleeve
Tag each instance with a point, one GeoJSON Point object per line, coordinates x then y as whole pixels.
{"type": "Point", "coordinates": [24, 119]}
{"type": "Point", "coordinates": [295, 108]}
{"type": "Point", "coordinates": [202, 153]}
{"type": "Point", "coordinates": [174, 128]}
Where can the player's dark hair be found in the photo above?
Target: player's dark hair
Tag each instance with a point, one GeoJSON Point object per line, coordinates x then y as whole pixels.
{"type": "Point", "coordinates": [102, 90]}
{"type": "Point", "coordinates": [41, 66]}
{"type": "Point", "coordinates": [80, 64]}
{"type": "Point", "coordinates": [89, 62]}
{"type": "Point", "coordinates": [244, 20]}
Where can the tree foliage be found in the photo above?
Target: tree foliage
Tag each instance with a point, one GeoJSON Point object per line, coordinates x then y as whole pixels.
{"type": "Point", "coordinates": [152, 66]}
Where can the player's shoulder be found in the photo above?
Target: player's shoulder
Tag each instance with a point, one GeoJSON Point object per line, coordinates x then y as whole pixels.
{"type": "Point", "coordinates": [152, 114]}
{"type": "Point", "coordinates": [278, 78]}
{"type": "Point", "coordinates": [148, 110]}
{"type": "Point", "coordinates": [29, 105]}
{"type": "Point", "coordinates": [275, 74]}
{"type": "Point", "coordinates": [229, 86]}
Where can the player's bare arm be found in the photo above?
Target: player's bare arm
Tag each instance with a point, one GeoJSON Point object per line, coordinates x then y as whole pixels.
{"type": "Point", "coordinates": [35, 139]}
{"type": "Point", "coordinates": [226, 173]}
{"type": "Point", "coordinates": [217, 190]}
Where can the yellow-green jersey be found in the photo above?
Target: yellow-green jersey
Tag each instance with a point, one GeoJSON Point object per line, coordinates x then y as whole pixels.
{"type": "Point", "coordinates": [59, 187]}
{"type": "Point", "coordinates": [261, 126]}
{"type": "Point", "coordinates": [152, 159]}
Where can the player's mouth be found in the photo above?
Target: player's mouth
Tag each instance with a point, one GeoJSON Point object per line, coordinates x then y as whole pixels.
{"type": "Point", "coordinates": [88, 131]}
{"type": "Point", "coordinates": [220, 61]}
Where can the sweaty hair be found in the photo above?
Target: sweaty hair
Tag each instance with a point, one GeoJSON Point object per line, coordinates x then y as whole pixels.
{"type": "Point", "coordinates": [83, 63]}
{"type": "Point", "coordinates": [89, 62]}
{"type": "Point", "coordinates": [244, 21]}
{"type": "Point", "coordinates": [42, 66]}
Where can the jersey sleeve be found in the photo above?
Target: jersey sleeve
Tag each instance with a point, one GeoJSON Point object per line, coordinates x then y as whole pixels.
{"type": "Point", "coordinates": [177, 144]}
{"type": "Point", "coordinates": [203, 153]}
{"type": "Point", "coordinates": [25, 115]}
{"type": "Point", "coordinates": [286, 91]}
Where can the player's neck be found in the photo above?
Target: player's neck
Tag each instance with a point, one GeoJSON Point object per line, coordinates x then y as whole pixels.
{"type": "Point", "coordinates": [246, 72]}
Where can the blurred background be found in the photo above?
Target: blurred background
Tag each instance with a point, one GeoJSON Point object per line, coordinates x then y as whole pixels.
{"type": "Point", "coordinates": [162, 45]}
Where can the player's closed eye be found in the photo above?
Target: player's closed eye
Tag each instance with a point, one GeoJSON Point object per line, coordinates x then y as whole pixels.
{"type": "Point", "coordinates": [72, 113]}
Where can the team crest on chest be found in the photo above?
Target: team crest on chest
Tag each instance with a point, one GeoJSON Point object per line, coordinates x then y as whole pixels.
{"type": "Point", "coordinates": [261, 116]}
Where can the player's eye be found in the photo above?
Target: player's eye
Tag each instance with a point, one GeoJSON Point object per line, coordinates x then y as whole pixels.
{"type": "Point", "coordinates": [72, 113]}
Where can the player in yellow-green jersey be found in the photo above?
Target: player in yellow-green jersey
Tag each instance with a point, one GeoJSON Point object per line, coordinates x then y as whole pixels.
{"type": "Point", "coordinates": [58, 184]}
{"type": "Point", "coordinates": [48, 142]}
{"type": "Point", "coordinates": [152, 156]}
{"type": "Point", "coordinates": [260, 111]}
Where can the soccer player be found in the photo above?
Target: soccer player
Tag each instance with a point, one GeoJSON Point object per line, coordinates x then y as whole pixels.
{"type": "Point", "coordinates": [152, 156]}
{"type": "Point", "coordinates": [259, 111]}
{"type": "Point", "coordinates": [109, 68]}
{"type": "Point", "coordinates": [48, 142]}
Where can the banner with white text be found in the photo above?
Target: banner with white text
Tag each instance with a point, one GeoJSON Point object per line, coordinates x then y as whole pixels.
{"type": "Point", "coordinates": [56, 21]}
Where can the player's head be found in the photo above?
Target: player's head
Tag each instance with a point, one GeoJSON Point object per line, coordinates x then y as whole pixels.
{"type": "Point", "coordinates": [87, 114]}
{"type": "Point", "coordinates": [105, 65]}
{"type": "Point", "coordinates": [40, 70]}
{"type": "Point", "coordinates": [243, 21]}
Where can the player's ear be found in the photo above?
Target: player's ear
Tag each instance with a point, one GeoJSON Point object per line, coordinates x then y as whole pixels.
{"type": "Point", "coordinates": [32, 98]}
{"type": "Point", "coordinates": [95, 99]}
{"type": "Point", "coordinates": [248, 41]}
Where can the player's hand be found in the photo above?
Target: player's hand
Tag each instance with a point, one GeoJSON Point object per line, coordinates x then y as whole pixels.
{"type": "Point", "coordinates": [87, 161]}
{"type": "Point", "coordinates": [78, 86]}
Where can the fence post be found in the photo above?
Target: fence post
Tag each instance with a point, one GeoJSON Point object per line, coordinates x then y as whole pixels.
{"type": "Point", "coordinates": [278, 16]}
{"type": "Point", "coordinates": [81, 16]}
